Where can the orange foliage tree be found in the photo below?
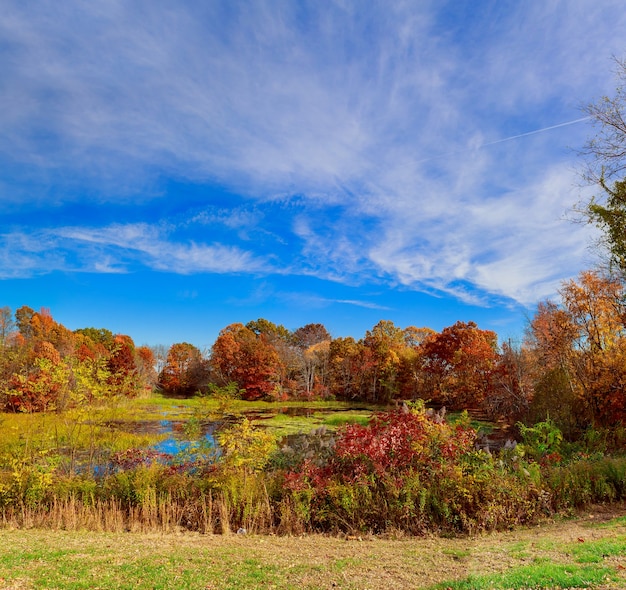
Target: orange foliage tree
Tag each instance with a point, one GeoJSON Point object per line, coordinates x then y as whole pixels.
{"type": "Point", "coordinates": [458, 365]}
{"type": "Point", "coordinates": [581, 345]}
{"type": "Point", "coordinates": [44, 365]}
{"type": "Point", "coordinates": [247, 359]}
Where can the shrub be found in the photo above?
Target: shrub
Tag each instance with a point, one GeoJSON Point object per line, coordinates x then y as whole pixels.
{"type": "Point", "coordinates": [401, 470]}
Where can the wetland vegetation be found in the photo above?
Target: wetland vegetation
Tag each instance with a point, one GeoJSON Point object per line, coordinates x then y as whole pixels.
{"type": "Point", "coordinates": [281, 432]}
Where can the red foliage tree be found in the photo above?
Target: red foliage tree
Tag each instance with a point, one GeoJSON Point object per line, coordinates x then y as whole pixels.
{"type": "Point", "coordinates": [185, 370]}
{"type": "Point", "coordinates": [122, 367]}
{"type": "Point", "coordinates": [247, 359]}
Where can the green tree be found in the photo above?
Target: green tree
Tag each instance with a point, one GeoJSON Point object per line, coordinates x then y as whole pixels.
{"type": "Point", "coordinates": [609, 215]}
{"type": "Point", "coordinates": [23, 317]}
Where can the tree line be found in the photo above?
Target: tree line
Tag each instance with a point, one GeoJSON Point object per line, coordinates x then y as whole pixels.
{"type": "Point", "coordinates": [570, 366]}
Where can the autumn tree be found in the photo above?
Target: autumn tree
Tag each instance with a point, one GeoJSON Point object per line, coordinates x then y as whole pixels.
{"type": "Point", "coordinates": [511, 393]}
{"type": "Point", "coordinates": [281, 340]}
{"type": "Point", "coordinates": [314, 362]}
{"type": "Point", "coordinates": [344, 359]}
{"type": "Point", "coordinates": [241, 356]}
{"type": "Point", "coordinates": [550, 340]}
{"type": "Point", "coordinates": [309, 335]}
{"type": "Point", "coordinates": [311, 344]}
{"type": "Point", "coordinates": [40, 326]}
{"type": "Point", "coordinates": [581, 346]}
{"type": "Point", "coordinates": [46, 366]}
{"type": "Point", "coordinates": [458, 365]}
{"type": "Point", "coordinates": [595, 304]}
{"type": "Point", "coordinates": [377, 368]}
{"type": "Point", "coordinates": [185, 370]}
{"type": "Point", "coordinates": [384, 345]}
{"type": "Point", "coordinates": [146, 367]}
{"type": "Point", "coordinates": [272, 332]}
{"type": "Point", "coordinates": [41, 382]}
{"type": "Point", "coordinates": [41, 389]}
{"type": "Point", "coordinates": [99, 336]}
{"type": "Point", "coordinates": [409, 371]}
{"type": "Point", "coordinates": [121, 364]}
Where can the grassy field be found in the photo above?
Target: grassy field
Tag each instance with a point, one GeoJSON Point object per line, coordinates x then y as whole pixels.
{"type": "Point", "coordinates": [587, 552]}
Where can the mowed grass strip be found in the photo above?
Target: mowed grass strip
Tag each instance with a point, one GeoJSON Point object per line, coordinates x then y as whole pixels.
{"type": "Point", "coordinates": [543, 575]}
{"type": "Point", "coordinates": [569, 554]}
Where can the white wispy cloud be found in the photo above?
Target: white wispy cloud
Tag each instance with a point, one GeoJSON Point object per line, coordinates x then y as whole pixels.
{"type": "Point", "coordinates": [387, 122]}
{"type": "Point", "coordinates": [116, 249]}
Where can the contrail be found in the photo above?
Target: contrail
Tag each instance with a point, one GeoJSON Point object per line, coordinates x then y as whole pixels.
{"type": "Point", "coordinates": [533, 132]}
{"type": "Point", "coordinates": [512, 137]}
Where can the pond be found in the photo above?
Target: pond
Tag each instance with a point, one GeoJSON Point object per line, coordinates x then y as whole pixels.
{"type": "Point", "coordinates": [175, 435]}
{"type": "Point", "coordinates": [180, 435]}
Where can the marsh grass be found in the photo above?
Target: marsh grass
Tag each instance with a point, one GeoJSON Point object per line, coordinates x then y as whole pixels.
{"type": "Point", "coordinates": [155, 499]}
{"type": "Point", "coordinates": [68, 442]}
{"type": "Point", "coordinates": [281, 418]}
{"type": "Point", "coordinates": [86, 437]}
{"type": "Point", "coordinates": [153, 515]}
{"type": "Point", "coordinates": [343, 418]}
{"type": "Point", "coordinates": [286, 424]}
{"type": "Point", "coordinates": [158, 403]}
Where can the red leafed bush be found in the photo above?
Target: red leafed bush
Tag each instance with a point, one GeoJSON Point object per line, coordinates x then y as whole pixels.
{"type": "Point", "coordinates": [404, 470]}
{"type": "Point", "coordinates": [397, 442]}
{"type": "Point", "coordinates": [394, 445]}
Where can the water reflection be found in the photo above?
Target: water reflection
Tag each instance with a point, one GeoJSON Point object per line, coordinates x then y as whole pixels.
{"type": "Point", "coordinates": [179, 439]}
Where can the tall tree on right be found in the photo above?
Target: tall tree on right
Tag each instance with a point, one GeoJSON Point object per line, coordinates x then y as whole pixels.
{"type": "Point", "coordinates": [605, 155]}
{"type": "Point", "coordinates": [580, 347]}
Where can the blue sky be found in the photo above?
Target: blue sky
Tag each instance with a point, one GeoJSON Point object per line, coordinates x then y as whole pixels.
{"type": "Point", "coordinates": [169, 168]}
